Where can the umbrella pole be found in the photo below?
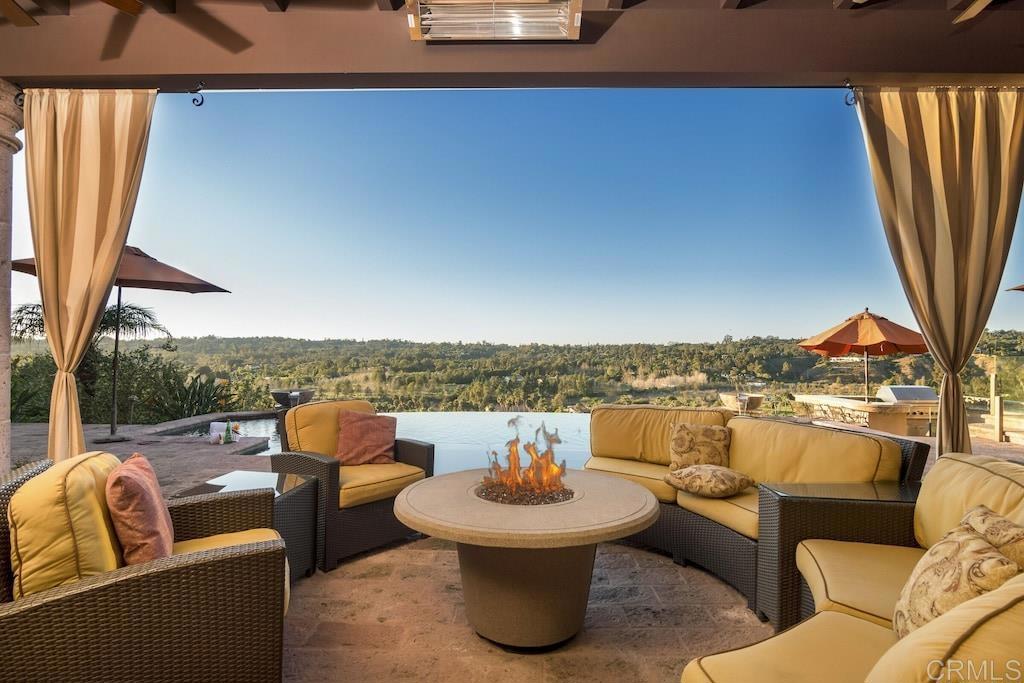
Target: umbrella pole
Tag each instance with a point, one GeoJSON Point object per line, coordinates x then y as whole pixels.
{"type": "Point", "coordinates": [114, 436]}
{"type": "Point", "coordinates": [866, 385]}
{"type": "Point", "coordinates": [113, 379]}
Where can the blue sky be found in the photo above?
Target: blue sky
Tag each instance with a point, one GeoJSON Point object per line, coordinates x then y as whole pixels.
{"type": "Point", "coordinates": [566, 216]}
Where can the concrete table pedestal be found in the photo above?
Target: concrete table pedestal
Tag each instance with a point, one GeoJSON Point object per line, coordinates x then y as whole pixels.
{"type": "Point", "coordinates": [526, 569]}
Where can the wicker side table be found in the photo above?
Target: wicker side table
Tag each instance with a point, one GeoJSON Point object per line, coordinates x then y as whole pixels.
{"type": "Point", "coordinates": [881, 512]}
{"type": "Point", "coordinates": [294, 510]}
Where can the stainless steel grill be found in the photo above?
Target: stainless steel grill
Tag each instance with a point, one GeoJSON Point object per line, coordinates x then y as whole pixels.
{"type": "Point", "coordinates": [894, 394]}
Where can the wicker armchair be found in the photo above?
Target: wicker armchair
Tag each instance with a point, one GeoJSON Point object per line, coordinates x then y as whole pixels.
{"type": "Point", "coordinates": [210, 615]}
{"type": "Point", "coordinates": [343, 532]}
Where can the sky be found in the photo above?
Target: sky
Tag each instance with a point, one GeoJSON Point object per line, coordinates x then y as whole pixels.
{"type": "Point", "coordinates": [518, 216]}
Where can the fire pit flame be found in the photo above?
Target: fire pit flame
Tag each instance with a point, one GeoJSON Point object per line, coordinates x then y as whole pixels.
{"type": "Point", "coordinates": [537, 483]}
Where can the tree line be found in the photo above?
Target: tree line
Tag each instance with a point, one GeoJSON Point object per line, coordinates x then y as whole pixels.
{"type": "Point", "coordinates": [175, 378]}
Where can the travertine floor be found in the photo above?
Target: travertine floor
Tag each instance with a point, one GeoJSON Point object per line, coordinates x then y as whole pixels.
{"type": "Point", "coordinates": [397, 615]}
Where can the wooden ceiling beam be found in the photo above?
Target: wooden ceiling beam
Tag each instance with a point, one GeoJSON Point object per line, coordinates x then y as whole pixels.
{"type": "Point", "coordinates": [16, 14]}
{"type": "Point", "coordinates": [843, 4]}
{"type": "Point", "coordinates": [731, 4]}
{"type": "Point", "coordinates": [163, 6]}
{"type": "Point", "coordinates": [276, 5]}
{"type": "Point", "coordinates": [62, 7]}
{"type": "Point", "coordinates": [132, 7]}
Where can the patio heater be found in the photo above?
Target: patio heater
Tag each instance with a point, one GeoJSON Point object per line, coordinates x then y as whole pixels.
{"type": "Point", "coordinates": [454, 20]}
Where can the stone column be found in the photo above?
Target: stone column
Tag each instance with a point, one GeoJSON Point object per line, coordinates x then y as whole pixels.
{"type": "Point", "coordinates": [11, 121]}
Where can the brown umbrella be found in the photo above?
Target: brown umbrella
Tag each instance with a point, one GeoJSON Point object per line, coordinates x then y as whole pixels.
{"type": "Point", "coordinates": [868, 334]}
{"type": "Point", "coordinates": [140, 271]}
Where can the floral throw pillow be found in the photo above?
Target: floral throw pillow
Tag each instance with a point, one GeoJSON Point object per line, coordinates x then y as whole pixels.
{"type": "Point", "coordinates": [1006, 536]}
{"type": "Point", "coordinates": [695, 444]}
{"type": "Point", "coordinates": [709, 481]}
{"type": "Point", "coordinates": [960, 566]}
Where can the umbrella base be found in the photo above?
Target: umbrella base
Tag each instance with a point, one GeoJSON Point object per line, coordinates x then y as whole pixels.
{"type": "Point", "coordinates": [113, 438]}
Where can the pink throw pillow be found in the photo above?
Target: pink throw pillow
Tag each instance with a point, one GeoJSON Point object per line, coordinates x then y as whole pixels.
{"type": "Point", "coordinates": [365, 438]}
{"type": "Point", "coordinates": [141, 519]}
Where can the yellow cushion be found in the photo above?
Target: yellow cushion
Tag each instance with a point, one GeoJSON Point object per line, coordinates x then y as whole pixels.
{"type": "Point", "coordinates": [829, 647]}
{"type": "Point", "coordinates": [958, 483]}
{"type": "Point", "coordinates": [196, 545]}
{"type": "Point", "coordinates": [778, 451]}
{"type": "Point", "coordinates": [982, 635]}
{"type": "Point", "coordinates": [60, 528]}
{"type": "Point", "coordinates": [366, 483]}
{"type": "Point", "coordinates": [860, 579]}
{"type": "Point", "coordinates": [648, 475]}
{"type": "Point", "coordinates": [642, 432]}
{"type": "Point", "coordinates": [738, 512]}
{"type": "Point", "coordinates": [313, 427]}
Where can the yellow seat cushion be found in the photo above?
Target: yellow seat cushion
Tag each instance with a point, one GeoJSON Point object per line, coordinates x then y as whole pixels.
{"type": "Point", "coordinates": [60, 528]}
{"type": "Point", "coordinates": [829, 647]}
{"type": "Point", "coordinates": [739, 512]}
{"type": "Point", "coordinates": [362, 484]}
{"type": "Point", "coordinates": [982, 635]}
{"type": "Point", "coordinates": [197, 545]}
{"type": "Point", "coordinates": [313, 427]}
{"type": "Point", "coordinates": [648, 475]}
{"type": "Point", "coordinates": [958, 483]}
{"type": "Point", "coordinates": [860, 579]}
{"type": "Point", "coordinates": [777, 451]}
{"type": "Point", "coordinates": [641, 432]}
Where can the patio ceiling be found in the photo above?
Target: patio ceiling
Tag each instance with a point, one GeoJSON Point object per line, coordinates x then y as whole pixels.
{"type": "Point", "coordinates": [363, 43]}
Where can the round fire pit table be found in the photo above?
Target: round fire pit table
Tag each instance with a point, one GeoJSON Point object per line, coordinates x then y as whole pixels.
{"type": "Point", "coordinates": [526, 569]}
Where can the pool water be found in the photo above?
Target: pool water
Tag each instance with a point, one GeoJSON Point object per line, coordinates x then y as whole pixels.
{"type": "Point", "coordinates": [463, 440]}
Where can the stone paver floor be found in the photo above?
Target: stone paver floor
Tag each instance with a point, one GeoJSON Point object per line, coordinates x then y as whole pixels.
{"type": "Point", "coordinates": [398, 614]}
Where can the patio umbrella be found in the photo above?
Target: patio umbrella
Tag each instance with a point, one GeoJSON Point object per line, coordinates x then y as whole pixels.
{"type": "Point", "coordinates": [866, 333]}
{"type": "Point", "coordinates": [141, 271]}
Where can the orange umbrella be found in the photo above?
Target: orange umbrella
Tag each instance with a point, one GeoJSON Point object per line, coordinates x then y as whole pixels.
{"type": "Point", "coordinates": [869, 334]}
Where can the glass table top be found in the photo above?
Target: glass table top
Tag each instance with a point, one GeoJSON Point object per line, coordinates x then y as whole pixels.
{"type": "Point", "coordinates": [244, 480]}
{"type": "Point", "coordinates": [886, 491]}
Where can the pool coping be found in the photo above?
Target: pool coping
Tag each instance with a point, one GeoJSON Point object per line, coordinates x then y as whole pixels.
{"type": "Point", "coordinates": [178, 427]}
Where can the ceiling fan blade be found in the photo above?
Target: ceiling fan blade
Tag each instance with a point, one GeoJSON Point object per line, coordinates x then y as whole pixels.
{"type": "Point", "coordinates": [973, 10]}
{"type": "Point", "coordinates": [15, 14]}
{"type": "Point", "coordinates": [132, 7]}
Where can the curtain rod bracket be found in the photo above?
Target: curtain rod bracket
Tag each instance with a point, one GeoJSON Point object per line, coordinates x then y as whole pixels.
{"type": "Point", "coordinates": [850, 98]}
{"type": "Point", "coordinates": [197, 94]}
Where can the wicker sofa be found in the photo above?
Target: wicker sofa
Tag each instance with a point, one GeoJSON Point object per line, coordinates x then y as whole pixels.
{"type": "Point", "coordinates": [214, 610]}
{"type": "Point", "coordinates": [852, 588]}
{"type": "Point", "coordinates": [721, 535]}
{"type": "Point", "coordinates": [355, 504]}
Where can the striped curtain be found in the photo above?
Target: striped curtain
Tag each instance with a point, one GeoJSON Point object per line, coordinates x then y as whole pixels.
{"type": "Point", "coordinates": [84, 152]}
{"type": "Point", "coordinates": [947, 168]}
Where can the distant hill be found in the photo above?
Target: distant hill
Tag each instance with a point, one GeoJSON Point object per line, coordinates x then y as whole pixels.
{"type": "Point", "coordinates": [404, 375]}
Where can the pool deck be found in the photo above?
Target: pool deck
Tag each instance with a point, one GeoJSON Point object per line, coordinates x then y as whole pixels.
{"type": "Point", "coordinates": [180, 461]}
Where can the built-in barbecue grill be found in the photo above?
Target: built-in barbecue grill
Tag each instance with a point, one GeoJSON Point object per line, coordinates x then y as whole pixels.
{"type": "Point", "coordinates": [912, 393]}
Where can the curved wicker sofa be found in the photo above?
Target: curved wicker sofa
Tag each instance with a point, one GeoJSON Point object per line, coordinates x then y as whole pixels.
{"type": "Point", "coordinates": [851, 588]}
{"type": "Point", "coordinates": [205, 615]}
{"type": "Point", "coordinates": [633, 442]}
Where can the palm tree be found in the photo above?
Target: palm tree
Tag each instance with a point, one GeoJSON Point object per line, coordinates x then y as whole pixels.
{"type": "Point", "coordinates": [136, 321]}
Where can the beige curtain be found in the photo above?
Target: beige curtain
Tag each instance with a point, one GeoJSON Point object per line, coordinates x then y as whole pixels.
{"type": "Point", "coordinates": [84, 152]}
{"type": "Point", "coordinates": [947, 168]}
